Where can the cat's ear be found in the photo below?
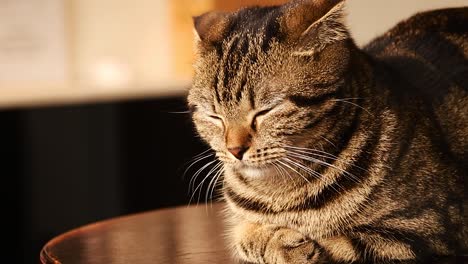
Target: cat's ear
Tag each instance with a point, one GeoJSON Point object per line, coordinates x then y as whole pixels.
{"type": "Point", "coordinates": [210, 28]}
{"type": "Point", "coordinates": [314, 24]}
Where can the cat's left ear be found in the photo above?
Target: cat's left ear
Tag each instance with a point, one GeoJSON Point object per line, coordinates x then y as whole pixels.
{"type": "Point", "coordinates": [312, 25]}
{"type": "Point", "coordinates": [210, 28]}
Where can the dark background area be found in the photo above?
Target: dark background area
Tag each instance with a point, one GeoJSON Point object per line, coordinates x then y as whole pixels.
{"type": "Point", "coordinates": [64, 167]}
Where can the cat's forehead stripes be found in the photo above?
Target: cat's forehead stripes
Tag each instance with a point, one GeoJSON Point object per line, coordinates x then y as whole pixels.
{"type": "Point", "coordinates": [259, 21]}
{"type": "Point", "coordinates": [239, 56]}
{"type": "Point", "coordinates": [251, 35]}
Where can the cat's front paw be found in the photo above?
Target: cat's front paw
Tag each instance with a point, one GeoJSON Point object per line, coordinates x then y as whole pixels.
{"type": "Point", "coordinates": [289, 246]}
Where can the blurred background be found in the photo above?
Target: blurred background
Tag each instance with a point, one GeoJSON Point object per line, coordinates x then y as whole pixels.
{"type": "Point", "coordinates": [92, 101]}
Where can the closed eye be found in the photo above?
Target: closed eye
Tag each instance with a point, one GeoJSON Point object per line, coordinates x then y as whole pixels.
{"type": "Point", "coordinates": [254, 124]}
{"type": "Point", "coordinates": [215, 117]}
{"type": "Point", "coordinates": [263, 112]}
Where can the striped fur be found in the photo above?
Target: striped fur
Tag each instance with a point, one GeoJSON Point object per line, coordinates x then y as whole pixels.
{"type": "Point", "coordinates": [348, 155]}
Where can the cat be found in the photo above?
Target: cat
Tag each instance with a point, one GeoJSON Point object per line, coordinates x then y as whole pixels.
{"type": "Point", "coordinates": [332, 153]}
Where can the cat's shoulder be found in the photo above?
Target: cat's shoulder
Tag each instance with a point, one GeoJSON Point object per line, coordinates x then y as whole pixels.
{"type": "Point", "coordinates": [442, 22]}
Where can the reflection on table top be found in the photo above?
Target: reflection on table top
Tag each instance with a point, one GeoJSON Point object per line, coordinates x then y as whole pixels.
{"type": "Point", "coordinates": [178, 235]}
{"type": "Point", "coordinates": [183, 235]}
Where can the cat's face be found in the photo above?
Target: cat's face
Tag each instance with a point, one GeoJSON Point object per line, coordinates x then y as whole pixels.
{"type": "Point", "coordinates": [255, 96]}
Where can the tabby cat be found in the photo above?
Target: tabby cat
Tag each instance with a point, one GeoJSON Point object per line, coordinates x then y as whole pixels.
{"type": "Point", "coordinates": [332, 153]}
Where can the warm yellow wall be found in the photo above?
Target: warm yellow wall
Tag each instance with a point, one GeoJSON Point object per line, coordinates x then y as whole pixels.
{"type": "Point", "coordinates": [137, 48]}
{"type": "Point", "coordinates": [122, 37]}
{"type": "Point", "coordinates": [144, 40]}
{"type": "Point", "coordinates": [181, 27]}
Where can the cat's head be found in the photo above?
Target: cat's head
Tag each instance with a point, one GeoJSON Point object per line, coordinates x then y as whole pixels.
{"type": "Point", "coordinates": [264, 77]}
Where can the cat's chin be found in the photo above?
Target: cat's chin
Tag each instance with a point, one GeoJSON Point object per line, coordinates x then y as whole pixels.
{"type": "Point", "coordinates": [249, 171]}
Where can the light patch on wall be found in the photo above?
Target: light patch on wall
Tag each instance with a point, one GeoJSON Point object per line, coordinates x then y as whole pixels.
{"type": "Point", "coordinates": [135, 33]}
{"type": "Point", "coordinates": [110, 73]}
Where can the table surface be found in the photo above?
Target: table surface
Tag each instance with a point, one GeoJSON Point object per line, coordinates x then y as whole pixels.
{"type": "Point", "coordinates": [177, 235]}
{"type": "Point", "coordinates": [182, 235]}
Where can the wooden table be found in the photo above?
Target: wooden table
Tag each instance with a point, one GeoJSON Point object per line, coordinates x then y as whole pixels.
{"type": "Point", "coordinates": [183, 235]}
{"type": "Point", "coordinates": [176, 236]}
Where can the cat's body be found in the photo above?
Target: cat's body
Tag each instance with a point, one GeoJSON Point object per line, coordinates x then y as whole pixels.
{"type": "Point", "coordinates": [332, 153]}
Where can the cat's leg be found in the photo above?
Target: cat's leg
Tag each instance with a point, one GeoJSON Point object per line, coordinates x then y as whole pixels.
{"type": "Point", "coordinates": [273, 245]}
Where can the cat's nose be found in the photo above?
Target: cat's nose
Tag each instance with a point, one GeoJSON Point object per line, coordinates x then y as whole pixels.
{"type": "Point", "coordinates": [238, 152]}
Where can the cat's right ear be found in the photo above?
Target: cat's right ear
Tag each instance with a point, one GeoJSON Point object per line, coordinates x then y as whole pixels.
{"type": "Point", "coordinates": [313, 24]}
{"type": "Point", "coordinates": [210, 28]}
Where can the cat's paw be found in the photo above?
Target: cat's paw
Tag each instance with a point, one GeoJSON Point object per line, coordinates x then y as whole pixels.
{"type": "Point", "coordinates": [290, 246]}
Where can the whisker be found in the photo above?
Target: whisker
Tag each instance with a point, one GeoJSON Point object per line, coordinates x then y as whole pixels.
{"type": "Point", "coordinates": [324, 154]}
{"type": "Point", "coordinates": [217, 176]}
{"type": "Point", "coordinates": [350, 98]}
{"type": "Point", "coordinates": [200, 185]}
{"type": "Point", "coordinates": [316, 155]}
{"type": "Point", "coordinates": [201, 154]}
{"type": "Point", "coordinates": [195, 176]}
{"type": "Point", "coordinates": [195, 161]}
{"type": "Point", "coordinates": [318, 176]}
{"type": "Point", "coordinates": [282, 172]}
{"type": "Point", "coordinates": [294, 162]}
{"type": "Point", "coordinates": [204, 179]}
{"type": "Point", "coordinates": [327, 140]}
{"type": "Point", "coordinates": [310, 149]}
{"type": "Point", "coordinates": [212, 183]}
{"type": "Point", "coordinates": [180, 112]}
{"type": "Point", "coordinates": [312, 159]}
{"type": "Point", "coordinates": [291, 168]}
{"type": "Point", "coordinates": [344, 101]}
